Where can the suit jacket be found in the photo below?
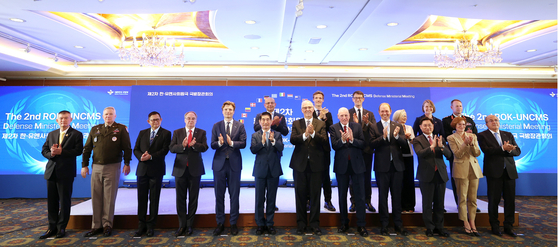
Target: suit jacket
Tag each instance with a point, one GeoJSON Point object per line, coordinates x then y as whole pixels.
{"type": "Point", "coordinates": [344, 150]}
{"type": "Point", "coordinates": [438, 126]}
{"type": "Point", "coordinates": [370, 131]}
{"type": "Point", "coordinates": [328, 122]}
{"type": "Point", "coordinates": [495, 157]}
{"type": "Point", "coordinates": [238, 137]}
{"type": "Point", "coordinates": [191, 156]}
{"type": "Point", "coordinates": [158, 150]}
{"type": "Point", "coordinates": [282, 127]}
{"type": "Point", "coordinates": [395, 147]}
{"type": "Point", "coordinates": [448, 130]}
{"type": "Point", "coordinates": [464, 156]}
{"type": "Point", "coordinates": [428, 160]}
{"type": "Point", "coordinates": [268, 158]}
{"type": "Point", "coordinates": [312, 147]}
{"type": "Point", "coordinates": [64, 164]}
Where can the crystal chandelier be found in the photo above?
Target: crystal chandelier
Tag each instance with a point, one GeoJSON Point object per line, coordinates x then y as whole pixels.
{"type": "Point", "coordinates": [466, 54]}
{"type": "Point", "coordinates": [152, 51]}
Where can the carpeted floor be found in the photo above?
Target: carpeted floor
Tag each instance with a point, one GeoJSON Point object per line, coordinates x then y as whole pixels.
{"type": "Point", "coordinates": [22, 221]}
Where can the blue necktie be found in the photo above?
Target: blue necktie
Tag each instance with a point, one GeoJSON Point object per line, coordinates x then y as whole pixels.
{"type": "Point", "coordinates": [498, 138]}
{"type": "Point", "coordinates": [152, 137]}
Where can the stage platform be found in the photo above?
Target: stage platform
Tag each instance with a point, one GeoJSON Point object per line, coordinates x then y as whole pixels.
{"type": "Point", "coordinates": [126, 210]}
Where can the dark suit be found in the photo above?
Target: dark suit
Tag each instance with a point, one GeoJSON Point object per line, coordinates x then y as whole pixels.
{"type": "Point", "coordinates": [349, 165]}
{"type": "Point", "coordinates": [432, 175]}
{"type": "Point", "coordinates": [389, 167]}
{"type": "Point", "coordinates": [370, 133]}
{"type": "Point", "coordinates": [267, 169]}
{"type": "Point", "coordinates": [60, 173]}
{"type": "Point", "coordinates": [227, 166]}
{"type": "Point", "coordinates": [307, 163]}
{"type": "Point", "coordinates": [281, 128]}
{"type": "Point", "coordinates": [501, 173]}
{"type": "Point", "coordinates": [326, 179]}
{"type": "Point", "coordinates": [438, 126]}
{"type": "Point", "coordinates": [187, 170]}
{"type": "Point", "coordinates": [150, 173]}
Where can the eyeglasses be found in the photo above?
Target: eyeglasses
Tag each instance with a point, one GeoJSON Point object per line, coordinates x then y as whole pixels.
{"type": "Point", "coordinates": [155, 120]}
{"type": "Point", "coordinates": [359, 98]}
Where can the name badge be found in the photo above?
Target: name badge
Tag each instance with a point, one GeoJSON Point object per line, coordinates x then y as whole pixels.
{"type": "Point", "coordinates": [114, 138]}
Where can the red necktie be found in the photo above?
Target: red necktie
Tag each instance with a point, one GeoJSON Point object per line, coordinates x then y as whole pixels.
{"type": "Point", "coordinates": [430, 140]}
{"type": "Point", "coordinates": [189, 140]}
{"type": "Point", "coordinates": [345, 130]}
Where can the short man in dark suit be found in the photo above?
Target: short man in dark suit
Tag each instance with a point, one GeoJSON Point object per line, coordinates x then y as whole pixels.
{"type": "Point", "coordinates": [347, 140]}
{"type": "Point", "coordinates": [152, 146]}
{"type": "Point", "coordinates": [61, 148]}
{"type": "Point", "coordinates": [457, 108]}
{"type": "Point", "coordinates": [227, 138]}
{"type": "Point", "coordinates": [323, 114]}
{"type": "Point", "coordinates": [188, 144]}
{"type": "Point", "coordinates": [432, 176]}
{"type": "Point", "coordinates": [366, 119]}
{"type": "Point", "coordinates": [499, 148]}
{"type": "Point", "coordinates": [308, 136]}
{"type": "Point", "coordinates": [389, 167]}
{"type": "Point", "coordinates": [267, 145]}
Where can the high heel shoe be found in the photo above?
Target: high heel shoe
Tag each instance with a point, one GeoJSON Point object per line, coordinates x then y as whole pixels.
{"type": "Point", "coordinates": [468, 231]}
{"type": "Point", "coordinates": [475, 232]}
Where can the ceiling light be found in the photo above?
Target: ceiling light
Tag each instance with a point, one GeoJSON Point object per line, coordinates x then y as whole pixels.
{"type": "Point", "coordinates": [392, 24]}
{"type": "Point", "coordinates": [79, 46]}
{"type": "Point", "coordinates": [17, 20]}
{"type": "Point", "coordinates": [309, 51]}
{"type": "Point", "coordinates": [531, 50]}
{"type": "Point", "coordinates": [299, 7]}
{"type": "Point", "coordinates": [254, 48]}
{"type": "Point", "coordinates": [250, 22]}
{"type": "Point", "coordinates": [321, 26]}
{"type": "Point", "coordinates": [363, 49]}
{"type": "Point", "coordinates": [153, 51]}
{"type": "Point", "coordinates": [466, 54]}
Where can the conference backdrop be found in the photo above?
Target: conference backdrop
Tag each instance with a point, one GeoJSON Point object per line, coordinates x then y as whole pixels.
{"type": "Point", "coordinates": [29, 113]}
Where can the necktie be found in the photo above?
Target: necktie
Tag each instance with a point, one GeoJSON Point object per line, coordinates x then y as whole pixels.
{"type": "Point", "coordinates": [386, 124]}
{"type": "Point", "coordinates": [498, 138]}
{"type": "Point", "coordinates": [189, 137]}
{"type": "Point", "coordinates": [61, 138]}
{"type": "Point", "coordinates": [359, 117]}
{"type": "Point", "coordinates": [152, 137]}
{"type": "Point", "coordinates": [345, 130]}
{"type": "Point", "coordinates": [430, 140]}
{"type": "Point", "coordinates": [267, 139]}
{"type": "Point", "coordinates": [307, 123]}
{"type": "Point", "coordinates": [228, 129]}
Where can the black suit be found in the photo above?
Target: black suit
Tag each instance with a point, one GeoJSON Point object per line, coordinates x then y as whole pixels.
{"type": "Point", "coordinates": [60, 173]}
{"type": "Point", "coordinates": [150, 173]}
{"type": "Point", "coordinates": [389, 167]}
{"type": "Point", "coordinates": [432, 175]}
{"type": "Point", "coordinates": [370, 133]}
{"type": "Point", "coordinates": [501, 173]}
{"type": "Point", "coordinates": [187, 170]}
{"type": "Point", "coordinates": [326, 179]}
{"type": "Point", "coordinates": [307, 163]}
{"type": "Point", "coordinates": [349, 165]}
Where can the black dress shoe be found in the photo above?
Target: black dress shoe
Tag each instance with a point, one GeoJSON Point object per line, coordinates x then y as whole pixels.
{"type": "Point", "coordinates": [429, 233]}
{"type": "Point", "coordinates": [189, 231]}
{"type": "Point", "coordinates": [329, 206]}
{"type": "Point", "coordinates": [260, 230]}
{"type": "Point", "coordinates": [442, 233]}
{"type": "Point", "coordinates": [300, 231]}
{"type": "Point", "coordinates": [362, 231]}
{"type": "Point", "coordinates": [401, 231]}
{"type": "Point", "coordinates": [180, 232]}
{"type": "Point", "coordinates": [218, 230]}
{"type": "Point", "coordinates": [445, 211]}
{"type": "Point", "coordinates": [234, 230]}
{"type": "Point", "coordinates": [107, 231]}
{"type": "Point", "coordinates": [478, 210]}
{"type": "Point", "coordinates": [384, 231]}
{"type": "Point", "coordinates": [49, 233]}
{"type": "Point", "coordinates": [139, 233]}
{"type": "Point", "coordinates": [150, 233]}
{"type": "Point", "coordinates": [317, 231]}
{"type": "Point", "coordinates": [93, 232]}
{"type": "Point", "coordinates": [61, 233]}
{"type": "Point", "coordinates": [343, 229]}
{"type": "Point", "coordinates": [370, 208]}
{"type": "Point", "coordinates": [271, 230]}
{"type": "Point", "coordinates": [510, 232]}
{"type": "Point", "coordinates": [352, 208]}
{"type": "Point", "coordinates": [496, 232]}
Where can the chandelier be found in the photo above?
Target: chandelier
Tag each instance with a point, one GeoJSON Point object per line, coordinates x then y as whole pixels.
{"type": "Point", "coordinates": [152, 51]}
{"type": "Point", "coordinates": [466, 54]}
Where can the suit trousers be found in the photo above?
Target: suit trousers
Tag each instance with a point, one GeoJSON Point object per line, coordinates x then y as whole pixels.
{"type": "Point", "coordinates": [433, 192]}
{"type": "Point", "coordinates": [408, 197]}
{"type": "Point", "coordinates": [496, 188]}
{"type": "Point", "coordinates": [266, 191]}
{"type": "Point", "coordinates": [307, 184]}
{"type": "Point", "coordinates": [184, 185]}
{"type": "Point", "coordinates": [59, 194]}
{"type": "Point", "coordinates": [367, 177]}
{"type": "Point", "coordinates": [390, 181]}
{"type": "Point", "coordinates": [224, 178]}
{"type": "Point", "coordinates": [326, 179]}
{"type": "Point", "coordinates": [467, 195]}
{"type": "Point", "coordinates": [149, 188]}
{"type": "Point", "coordinates": [358, 184]}
{"type": "Point", "coordinates": [104, 186]}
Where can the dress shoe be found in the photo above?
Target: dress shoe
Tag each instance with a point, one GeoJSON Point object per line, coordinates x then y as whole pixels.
{"type": "Point", "coordinates": [180, 232]}
{"type": "Point", "coordinates": [218, 230]}
{"type": "Point", "coordinates": [329, 206]}
{"type": "Point", "coordinates": [61, 233]}
{"type": "Point", "coordinates": [442, 232]}
{"type": "Point", "coordinates": [317, 231]}
{"type": "Point", "coordinates": [260, 230]}
{"type": "Point", "coordinates": [401, 231]}
{"type": "Point", "coordinates": [107, 231]}
{"type": "Point", "coordinates": [510, 232]}
{"type": "Point", "coordinates": [362, 231]}
{"type": "Point", "coordinates": [300, 231]}
{"type": "Point", "coordinates": [478, 210]}
{"type": "Point", "coordinates": [370, 208]}
{"type": "Point", "coordinates": [271, 230]}
{"type": "Point", "coordinates": [429, 233]}
{"type": "Point", "coordinates": [49, 233]}
{"type": "Point", "coordinates": [93, 232]}
{"type": "Point", "coordinates": [276, 209]}
{"type": "Point", "coordinates": [445, 211]}
{"type": "Point", "coordinates": [384, 231]}
{"type": "Point", "coordinates": [139, 233]}
{"type": "Point", "coordinates": [343, 229]}
{"type": "Point", "coordinates": [496, 232]}
{"type": "Point", "coordinates": [189, 231]}
{"type": "Point", "coordinates": [352, 208]}
{"type": "Point", "coordinates": [234, 230]}
{"type": "Point", "coordinates": [150, 233]}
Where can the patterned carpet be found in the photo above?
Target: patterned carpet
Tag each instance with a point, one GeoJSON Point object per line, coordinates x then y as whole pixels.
{"type": "Point", "coordinates": [22, 221]}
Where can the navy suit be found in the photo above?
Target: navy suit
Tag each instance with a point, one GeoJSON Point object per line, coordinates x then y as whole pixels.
{"type": "Point", "coordinates": [150, 173]}
{"type": "Point", "coordinates": [227, 166]}
{"type": "Point", "coordinates": [187, 170]}
{"type": "Point", "coordinates": [60, 173]}
{"type": "Point", "coordinates": [281, 128]}
{"type": "Point", "coordinates": [349, 165]}
{"type": "Point", "coordinates": [267, 169]}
